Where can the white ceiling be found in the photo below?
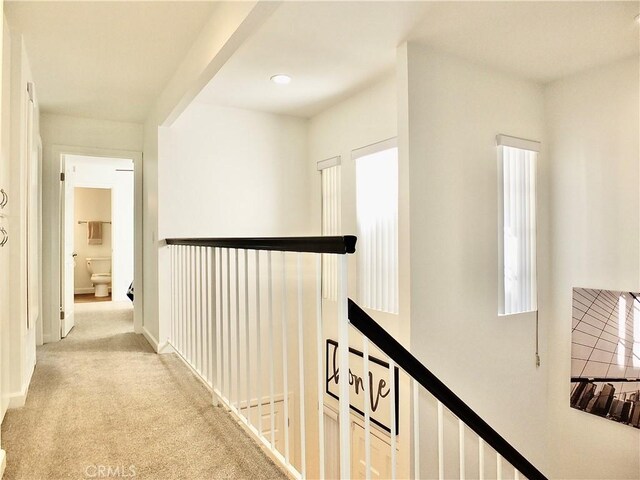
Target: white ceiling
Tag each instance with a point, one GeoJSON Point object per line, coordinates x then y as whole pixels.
{"type": "Point", "coordinates": [541, 41]}
{"type": "Point", "coordinates": [107, 60]}
{"type": "Point", "coordinates": [110, 60]}
{"type": "Point", "coordinates": [329, 48]}
{"type": "Point", "coordinates": [332, 49]}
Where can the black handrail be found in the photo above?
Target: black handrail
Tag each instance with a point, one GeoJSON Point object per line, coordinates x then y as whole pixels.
{"type": "Point", "coordinates": [410, 364]}
{"type": "Point", "coordinates": [339, 245]}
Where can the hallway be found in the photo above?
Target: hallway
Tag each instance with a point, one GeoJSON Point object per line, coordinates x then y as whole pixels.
{"type": "Point", "coordinates": [103, 398]}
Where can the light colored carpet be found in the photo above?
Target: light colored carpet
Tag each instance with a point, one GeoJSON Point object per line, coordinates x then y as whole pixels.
{"type": "Point", "coordinates": [102, 399]}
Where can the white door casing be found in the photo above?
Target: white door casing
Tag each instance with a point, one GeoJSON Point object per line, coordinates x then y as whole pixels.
{"type": "Point", "coordinates": [54, 270]}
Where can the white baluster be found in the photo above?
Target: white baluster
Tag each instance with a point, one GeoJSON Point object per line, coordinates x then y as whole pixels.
{"type": "Point", "coordinates": [393, 422]}
{"type": "Point", "coordinates": [237, 298]}
{"type": "Point", "coordinates": [367, 407]}
{"type": "Point", "coordinates": [258, 345]}
{"type": "Point", "coordinates": [440, 441]}
{"type": "Point", "coordinates": [213, 321]}
{"type": "Point", "coordinates": [498, 466]}
{"type": "Point", "coordinates": [172, 337]}
{"type": "Point", "coordinates": [183, 300]}
{"type": "Point", "coordinates": [210, 302]}
{"type": "Point", "coordinates": [343, 381]}
{"type": "Point", "coordinates": [189, 316]}
{"type": "Point", "coordinates": [416, 428]}
{"type": "Point", "coordinates": [303, 438]}
{"type": "Point", "coordinates": [285, 359]}
{"type": "Point", "coordinates": [228, 349]}
{"type": "Point", "coordinates": [219, 319]}
{"type": "Point", "coordinates": [480, 458]}
{"type": "Point", "coordinates": [272, 413]}
{"type": "Point", "coordinates": [197, 317]}
{"type": "Point", "coordinates": [192, 306]}
{"type": "Point", "coordinates": [461, 449]}
{"type": "Point", "coordinates": [247, 352]}
{"type": "Point", "coordinates": [320, 363]}
{"type": "Point", "coordinates": [203, 316]}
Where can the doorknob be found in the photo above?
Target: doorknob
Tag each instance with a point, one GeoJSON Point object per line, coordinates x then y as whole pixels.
{"type": "Point", "coordinates": [74, 255]}
{"type": "Point", "coordinates": [5, 237]}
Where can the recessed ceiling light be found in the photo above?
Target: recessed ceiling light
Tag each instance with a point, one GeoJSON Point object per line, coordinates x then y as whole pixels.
{"type": "Point", "coordinates": [638, 18]}
{"type": "Point", "coordinates": [281, 79]}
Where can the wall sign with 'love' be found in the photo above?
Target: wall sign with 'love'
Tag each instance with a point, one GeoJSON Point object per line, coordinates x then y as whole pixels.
{"type": "Point", "coordinates": [379, 381]}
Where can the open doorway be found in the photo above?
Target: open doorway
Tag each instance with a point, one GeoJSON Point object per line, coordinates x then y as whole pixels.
{"type": "Point", "coordinates": [92, 248]}
{"type": "Point", "coordinates": [97, 232]}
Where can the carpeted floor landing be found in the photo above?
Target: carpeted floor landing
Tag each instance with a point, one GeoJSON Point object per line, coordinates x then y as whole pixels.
{"type": "Point", "coordinates": [102, 404]}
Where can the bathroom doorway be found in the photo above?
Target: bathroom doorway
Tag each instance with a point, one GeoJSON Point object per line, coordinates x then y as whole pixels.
{"type": "Point", "coordinates": [92, 245]}
{"type": "Point", "coordinates": [97, 233]}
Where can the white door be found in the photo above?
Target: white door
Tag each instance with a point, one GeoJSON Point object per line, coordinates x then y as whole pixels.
{"type": "Point", "coordinates": [68, 255]}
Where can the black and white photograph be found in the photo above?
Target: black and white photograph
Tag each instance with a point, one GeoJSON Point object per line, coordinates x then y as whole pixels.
{"type": "Point", "coordinates": [605, 354]}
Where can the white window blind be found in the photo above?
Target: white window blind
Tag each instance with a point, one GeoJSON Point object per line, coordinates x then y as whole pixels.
{"type": "Point", "coordinates": [377, 219]}
{"type": "Point", "coordinates": [330, 178]}
{"type": "Point", "coordinates": [517, 240]}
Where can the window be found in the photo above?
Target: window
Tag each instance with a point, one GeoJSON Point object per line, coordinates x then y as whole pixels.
{"type": "Point", "coordinates": [377, 219]}
{"type": "Point", "coordinates": [517, 211]}
{"type": "Point", "coordinates": [331, 193]}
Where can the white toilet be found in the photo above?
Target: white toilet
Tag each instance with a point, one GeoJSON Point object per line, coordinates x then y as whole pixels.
{"type": "Point", "coordinates": [100, 270]}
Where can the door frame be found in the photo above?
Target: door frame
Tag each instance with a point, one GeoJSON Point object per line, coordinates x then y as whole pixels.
{"type": "Point", "coordinates": [58, 153]}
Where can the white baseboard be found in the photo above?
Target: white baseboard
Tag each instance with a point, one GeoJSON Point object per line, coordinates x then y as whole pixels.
{"type": "Point", "coordinates": [166, 347]}
{"type": "Point", "coordinates": [3, 462]}
{"type": "Point", "coordinates": [18, 399]}
{"type": "Point", "coordinates": [84, 290]}
{"type": "Point", "coordinates": [47, 338]}
{"type": "Point", "coordinates": [195, 372]}
{"type": "Point", "coordinates": [151, 339]}
{"type": "Point", "coordinates": [4, 406]}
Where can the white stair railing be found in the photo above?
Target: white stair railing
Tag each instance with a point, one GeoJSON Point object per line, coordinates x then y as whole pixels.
{"type": "Point", "coordinates": [247, 315]}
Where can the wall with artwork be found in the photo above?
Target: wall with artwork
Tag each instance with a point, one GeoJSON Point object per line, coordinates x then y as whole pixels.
{"type": "Point", "coordinates": [605, 354]}
{"type": "Point", "coordinates": [593, 125]}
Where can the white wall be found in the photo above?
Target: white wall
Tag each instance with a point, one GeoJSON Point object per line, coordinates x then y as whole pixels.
{"type": "Point", "coordinates": [86, 134]}
{"type": "Point", "coordinates": [150, 287]}
{"type": "Point", "coordinates": [18, 337]}
{"type": "Point", "coordinates": [593, 124]}
{"type": "Point", "coordinates": [5, 151]}
{"type": "Point", "coordinates": [227, 172]}
{"type": "Point", "coordinates": [4, 278]}
{"type": "Point", "coordinates": [233, 172]}
{"type": "Point", "coordinates": [455, 110]}
{"type": "Point", "coordinates": [91, 204]}
{"type": "Point", "coordinates": [5, 156]}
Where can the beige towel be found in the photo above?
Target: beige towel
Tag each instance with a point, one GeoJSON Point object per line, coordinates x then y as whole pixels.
{"type": "Point", "coordinates": [94, 233]}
